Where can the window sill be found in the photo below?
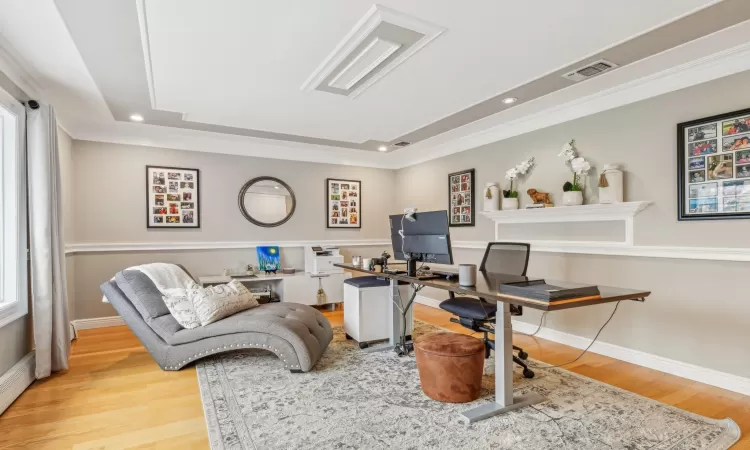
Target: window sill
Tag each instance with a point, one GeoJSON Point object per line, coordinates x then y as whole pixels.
{"type": "Point", "coordinates": [12, 312]}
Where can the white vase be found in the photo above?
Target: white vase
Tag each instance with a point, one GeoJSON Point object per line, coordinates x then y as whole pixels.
{"type": "Point", "coordinates": [510, 203]}
{"type": "Point", "coordinates": [491, 197]}
{"type": "Point", "coordinates": [572, 198]}
{"type": "Point", "coordinates": [614, 192]}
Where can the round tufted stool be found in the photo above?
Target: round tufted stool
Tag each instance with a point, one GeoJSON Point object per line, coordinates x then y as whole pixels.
{"type": "Point", "coordinates": [450, 366]}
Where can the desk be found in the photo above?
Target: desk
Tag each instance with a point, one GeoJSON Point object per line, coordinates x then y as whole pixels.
{"type": "Point", "coordinates": [488, 287]}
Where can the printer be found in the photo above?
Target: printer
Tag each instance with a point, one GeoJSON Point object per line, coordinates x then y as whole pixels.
{"type": "Point", "coordinates": [320, 260]}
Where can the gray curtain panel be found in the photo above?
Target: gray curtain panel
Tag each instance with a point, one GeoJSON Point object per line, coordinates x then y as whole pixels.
{"type": "Point", "coordinates": [49, 297]}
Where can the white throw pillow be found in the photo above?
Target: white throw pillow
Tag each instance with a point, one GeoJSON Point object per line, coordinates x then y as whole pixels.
{"type": "Point", "coordinates": [217, 302]}
{"type": "Point", "coordinates": [180, 305]}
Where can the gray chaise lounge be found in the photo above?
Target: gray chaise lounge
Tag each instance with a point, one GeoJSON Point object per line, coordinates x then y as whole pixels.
{"type": "Point", "coordinates": [297, 334]}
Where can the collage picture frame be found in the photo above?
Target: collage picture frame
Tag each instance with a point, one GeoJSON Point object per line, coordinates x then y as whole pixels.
{"type": "Point", "coordinates": [343, 203]}
{"type": "Point", "coordinates": [172, 197]}
{"type": "Point", "coordinates": [461, 198]}
{"type": "Point", "coordinates": [713, 167]}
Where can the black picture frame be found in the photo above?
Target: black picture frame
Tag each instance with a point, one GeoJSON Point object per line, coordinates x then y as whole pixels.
{"type": "Point", "coordinates": [194, 198]}
{"type": "Point", "coordinates": [728, 192]}
{"type": "Point", "coordinates": [457, 199]}
{"type": "Point", "coordinates": [329, 203]}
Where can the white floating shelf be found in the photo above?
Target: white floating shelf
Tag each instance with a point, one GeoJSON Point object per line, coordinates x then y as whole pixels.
{"type": "Point", "coordinates": [583, 213]}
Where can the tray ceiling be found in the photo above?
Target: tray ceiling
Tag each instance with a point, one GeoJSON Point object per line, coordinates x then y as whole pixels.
{"type": "Point", "coordinates": [347, 75]}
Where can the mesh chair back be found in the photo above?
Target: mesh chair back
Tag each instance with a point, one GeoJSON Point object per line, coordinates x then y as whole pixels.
{"type": "Point", "coordinates": [506, 257]}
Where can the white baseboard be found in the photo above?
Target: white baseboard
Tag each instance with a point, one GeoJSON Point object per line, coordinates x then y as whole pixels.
{"type": "Point", "coordinates": [704, 375]}
{"type": "Point", "coordinates": [97, 322]}
{"type": "Point", "coordinates": [692, 372]}
{"type": "Point", "coordinates": [16, 380]}
{"type": "Point", "coordinates": [422, 300]}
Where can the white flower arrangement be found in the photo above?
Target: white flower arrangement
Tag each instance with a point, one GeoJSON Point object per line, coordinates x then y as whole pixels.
{"type": "Point", "coordinates": [514, 173]}
{"type": "Point", "coordinates": [578, 165]}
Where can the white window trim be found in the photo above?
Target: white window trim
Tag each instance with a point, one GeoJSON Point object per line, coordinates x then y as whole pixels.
{"type": "Point", "coordinates": [14, 247]}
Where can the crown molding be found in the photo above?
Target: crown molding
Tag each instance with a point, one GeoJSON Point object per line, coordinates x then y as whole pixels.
{"type": "Point", "coordinates": [148, 135]}
{"type": "Point", "coordinates": [11, 65]}
{"type": "Point", "coordinates": [482, 132]}
{"type": "Point", "coordinates": [714, 66]}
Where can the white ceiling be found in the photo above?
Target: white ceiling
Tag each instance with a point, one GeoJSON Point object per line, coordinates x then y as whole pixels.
{"type": "Point", "coordinates": [250, 58]}
{"type": "Point", "coordinates": [241, 63]}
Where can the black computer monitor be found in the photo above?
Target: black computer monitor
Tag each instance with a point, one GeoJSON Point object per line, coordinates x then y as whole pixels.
{"type": "Point", "coordinates": [425, 239]}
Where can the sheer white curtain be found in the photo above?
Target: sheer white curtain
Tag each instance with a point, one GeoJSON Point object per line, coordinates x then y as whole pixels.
{"type": "Point", "coordinates": [49, 297]}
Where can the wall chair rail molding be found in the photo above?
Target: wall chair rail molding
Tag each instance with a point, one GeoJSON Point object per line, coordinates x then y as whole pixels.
{"type": "Point", "coordinates": [100, 247]}
{"type": "Point", "coordinates": [583, 213]}
{"type": "Point", "coordinates": [621, 249]}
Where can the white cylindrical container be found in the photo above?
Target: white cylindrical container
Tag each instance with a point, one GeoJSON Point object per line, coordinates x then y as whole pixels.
{"type": "Point", "coordinates": [366, 263]}
{"type": "Point", "coordinates": [613, 192]}
{"type": "Point", "coordinates": [510, 203]}
{"type": "Point", "coordinates": [492, 197]}
{"type": "Point", "coordinates": [467, 274]}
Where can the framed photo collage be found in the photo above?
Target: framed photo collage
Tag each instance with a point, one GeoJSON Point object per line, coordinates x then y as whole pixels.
{"type": "Point", "coordinates": [713, 157]}
{"type": "Point", "coordinates": [461, 199]}
{"type": "Point", "coordinates": [172, 197]}
{"type": "Point", "coordinates": [343, 203]}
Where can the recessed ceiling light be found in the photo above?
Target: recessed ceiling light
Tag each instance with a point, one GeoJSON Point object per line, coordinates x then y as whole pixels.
{"type": "Point", "coordinates": [382, 148]}
{"type": "Point", "coordinates": [510, 100]}
{"type": "Point", "coordinates": [136, 118]}
{"type": "Point", "coordinates": [276, 187]}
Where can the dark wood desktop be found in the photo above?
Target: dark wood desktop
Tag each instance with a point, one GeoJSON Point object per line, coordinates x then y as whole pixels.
{"type": "Point", "coordinates": [488, 288]}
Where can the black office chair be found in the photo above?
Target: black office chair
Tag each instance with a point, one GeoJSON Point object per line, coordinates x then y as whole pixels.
{"type": "Point", "coordinates": [478, 314]}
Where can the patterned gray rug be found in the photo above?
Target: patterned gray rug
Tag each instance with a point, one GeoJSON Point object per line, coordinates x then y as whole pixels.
{"type": "Point", "coordinates": [357, 400]}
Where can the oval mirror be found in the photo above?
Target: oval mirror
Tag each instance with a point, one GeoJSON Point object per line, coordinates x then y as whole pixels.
{"type": "Point", "coordinates": [267, 201]}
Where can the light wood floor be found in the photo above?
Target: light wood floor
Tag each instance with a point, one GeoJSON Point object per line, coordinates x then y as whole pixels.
{"type": "Point", "coordinates": [114, 396]}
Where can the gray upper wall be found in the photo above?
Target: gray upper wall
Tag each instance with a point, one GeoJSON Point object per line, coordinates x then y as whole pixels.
{"type": "Point", "coordinates": [110, 193]}
{"type": "Point", "coordinates": [641, 137]}
{"type": "Point", "coordinates": [696, 307]}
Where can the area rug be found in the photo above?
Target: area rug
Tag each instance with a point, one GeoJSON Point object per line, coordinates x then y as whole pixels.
{"type": "Point", "coordinates": [358, 400]}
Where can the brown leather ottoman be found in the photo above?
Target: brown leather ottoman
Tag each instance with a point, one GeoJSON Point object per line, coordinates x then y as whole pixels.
{"type": "Point", "coordinates": [450, 366]}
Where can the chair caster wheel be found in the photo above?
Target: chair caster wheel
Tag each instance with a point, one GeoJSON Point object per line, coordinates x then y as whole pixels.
{"type": "Point", "coordinates": [528, 373]}
{"type": "Point", "coordinates": [348, 338]}
{"type": "Point", "coordinates": [523, 355]}
{"type": "Point", "coordinates": [363, 345]}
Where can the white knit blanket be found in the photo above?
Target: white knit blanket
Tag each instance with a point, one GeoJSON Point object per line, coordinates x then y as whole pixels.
{"type": "Point", "coordinates": [163, 275]}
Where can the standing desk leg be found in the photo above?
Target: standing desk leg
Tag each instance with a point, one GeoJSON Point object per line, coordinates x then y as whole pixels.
{"type": "Point", "coordinates": [504, 399]}
{"type": "Point", "coordinates": [394, 317]}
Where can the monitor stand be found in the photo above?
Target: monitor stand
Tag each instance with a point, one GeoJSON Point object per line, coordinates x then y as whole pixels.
{"type": "Point", "coordinates": [411, 267]}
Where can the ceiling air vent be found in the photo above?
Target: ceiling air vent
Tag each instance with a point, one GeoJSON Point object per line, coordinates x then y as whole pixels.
{"type": "Point", "coordinates": [591, 70]}
{"type": "Point", "coordinates": [401, 144]}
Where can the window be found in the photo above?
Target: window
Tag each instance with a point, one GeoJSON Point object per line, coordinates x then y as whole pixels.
{"type": "Point", "coordinates": [14, 301]}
